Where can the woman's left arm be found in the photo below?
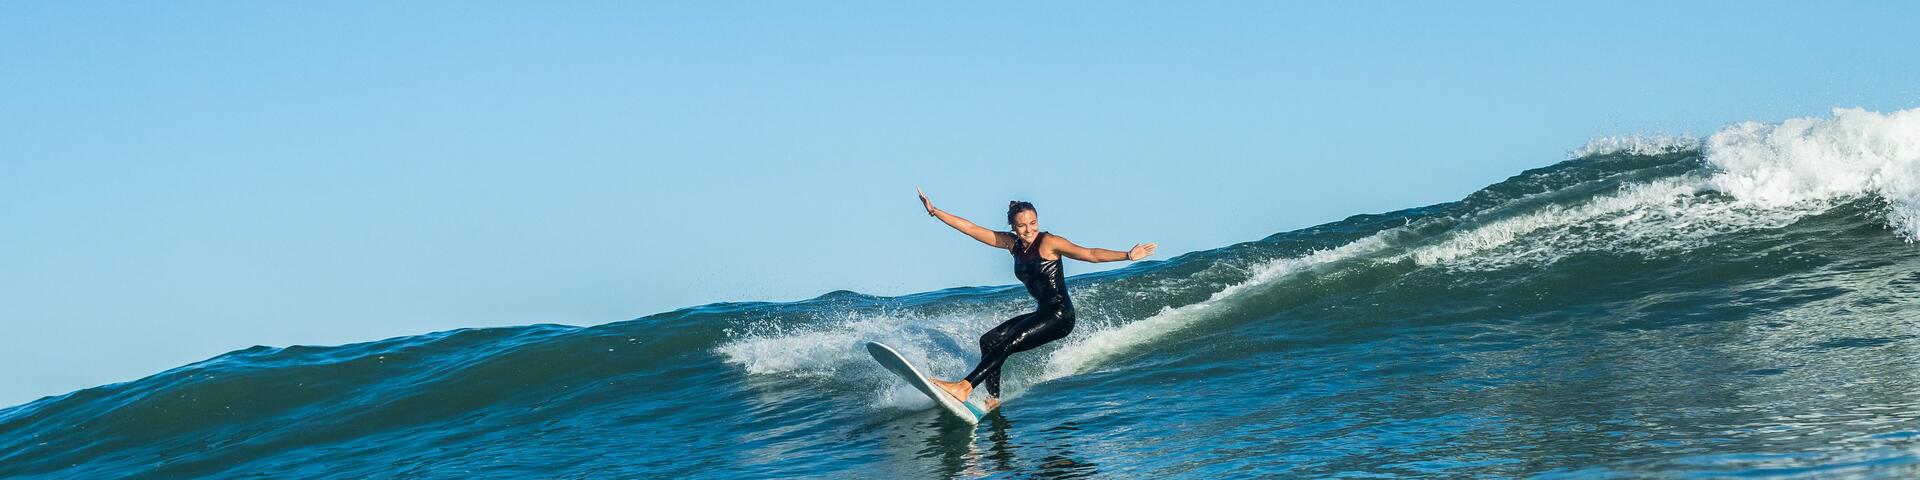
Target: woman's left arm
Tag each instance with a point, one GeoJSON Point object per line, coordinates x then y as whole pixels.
{"type": "Point", "coordinates": [1067, 248]}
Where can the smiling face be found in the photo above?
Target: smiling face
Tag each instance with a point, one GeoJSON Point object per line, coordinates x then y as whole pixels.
{"type": "Point", "coordinates": [1026, 225]}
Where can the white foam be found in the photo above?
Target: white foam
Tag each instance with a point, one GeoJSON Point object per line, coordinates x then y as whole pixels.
{"type": "Point", "coordinates": [1853, 153]}
{"type": "Point", "coordinates": [1663, 217]}
{"type": "Point", "coordinates": [836, 348]}
{"type": "Point", "coordinates": [1636, 145]}
{"type": "Point", "coordinates": [1083, 351]}
{"type": "Point", "coordinates": [1556, 231]}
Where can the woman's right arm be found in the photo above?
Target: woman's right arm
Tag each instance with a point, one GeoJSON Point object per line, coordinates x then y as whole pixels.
{"type": "Point", "coordinates": [989, 237]}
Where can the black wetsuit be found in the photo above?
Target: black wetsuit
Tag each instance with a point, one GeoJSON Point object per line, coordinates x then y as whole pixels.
{"type": "Point", "coordinates": [1052, 321]}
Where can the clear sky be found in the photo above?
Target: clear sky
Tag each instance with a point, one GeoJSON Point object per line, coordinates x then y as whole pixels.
{"type": "Point", "coordinates": [182, 179]}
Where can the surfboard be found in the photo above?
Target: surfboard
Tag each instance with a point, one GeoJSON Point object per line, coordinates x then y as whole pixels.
{"type": "Point", "coordinates": [900, 366]}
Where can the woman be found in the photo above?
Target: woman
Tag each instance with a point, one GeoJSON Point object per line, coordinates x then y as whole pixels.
{"type": "Point", "coordinates": [1036, 262]}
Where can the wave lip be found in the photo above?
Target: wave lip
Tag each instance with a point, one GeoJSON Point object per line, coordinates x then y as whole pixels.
{"type": "Point", "coordinates": [1641, 145]}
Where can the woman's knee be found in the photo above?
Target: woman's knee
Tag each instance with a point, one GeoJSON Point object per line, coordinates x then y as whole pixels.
{"type": "Point", "coordinates": [993, 338]}
{"type": "Point", "coordinates": [1056, 327]}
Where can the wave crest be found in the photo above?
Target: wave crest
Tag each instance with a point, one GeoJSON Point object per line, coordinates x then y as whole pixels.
{"type": "Point", "coordinates": [1853, 153]}
{"type": "Point", "coordinates": [1636, 145]}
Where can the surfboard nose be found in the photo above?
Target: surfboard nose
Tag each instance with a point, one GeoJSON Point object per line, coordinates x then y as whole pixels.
{"type": "Point", "coordinates": [894, 362]}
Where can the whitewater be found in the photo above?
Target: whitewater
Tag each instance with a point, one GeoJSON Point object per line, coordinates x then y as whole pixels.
{"type": "Point", "coordinates": [1662, 306]}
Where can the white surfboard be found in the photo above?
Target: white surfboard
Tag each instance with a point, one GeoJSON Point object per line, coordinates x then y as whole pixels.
{"type": "Point", "coordinates": [900, 366]}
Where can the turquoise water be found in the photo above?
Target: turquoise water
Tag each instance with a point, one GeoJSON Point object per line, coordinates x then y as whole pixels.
{"type": "Point", "coordinates": [1738, 305]}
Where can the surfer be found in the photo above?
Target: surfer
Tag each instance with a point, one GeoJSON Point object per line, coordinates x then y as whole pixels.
{"type": "Point", "coordinates": [1036, 262]}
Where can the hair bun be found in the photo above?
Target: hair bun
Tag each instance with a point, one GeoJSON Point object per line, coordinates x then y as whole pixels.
{"type": "Point", "coordinates": [1017, 206]}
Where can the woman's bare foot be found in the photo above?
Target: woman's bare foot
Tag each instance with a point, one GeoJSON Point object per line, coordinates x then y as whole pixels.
{"type": "Point", "coordinates": [959, 390]}
{"type": "Point", "coordinates": [993, 403]}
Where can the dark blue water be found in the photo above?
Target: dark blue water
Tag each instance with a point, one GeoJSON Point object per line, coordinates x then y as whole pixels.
{"type": "Point", "coordinates": [1742, 305]}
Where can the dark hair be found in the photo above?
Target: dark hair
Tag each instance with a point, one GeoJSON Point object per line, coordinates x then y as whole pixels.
{"type": "Point", "coordinates": [1015, 207]}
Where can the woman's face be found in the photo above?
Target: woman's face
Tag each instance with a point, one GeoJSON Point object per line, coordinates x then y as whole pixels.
{"type": "Point", "coordinates": [1026, 225]}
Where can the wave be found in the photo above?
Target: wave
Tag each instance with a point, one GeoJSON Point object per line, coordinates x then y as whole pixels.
{"type": "Point", "coordinates": [1642, 195]}
{"type": "Point", "coordinates": [1679, 249]}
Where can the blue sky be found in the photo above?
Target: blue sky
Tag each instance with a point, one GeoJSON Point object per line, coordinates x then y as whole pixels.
{"type": "Point", "coordinates": [182, 179]}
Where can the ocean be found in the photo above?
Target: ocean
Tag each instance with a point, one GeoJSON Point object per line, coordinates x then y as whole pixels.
{"type": "Point", "coordinates": [1741, 304]}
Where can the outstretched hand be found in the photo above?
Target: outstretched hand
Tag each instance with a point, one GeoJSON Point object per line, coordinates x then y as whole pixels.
{"type": "Point", "coordinates": [1141, 251]}
{"type": "Point", "coordinates": [923, 200]}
